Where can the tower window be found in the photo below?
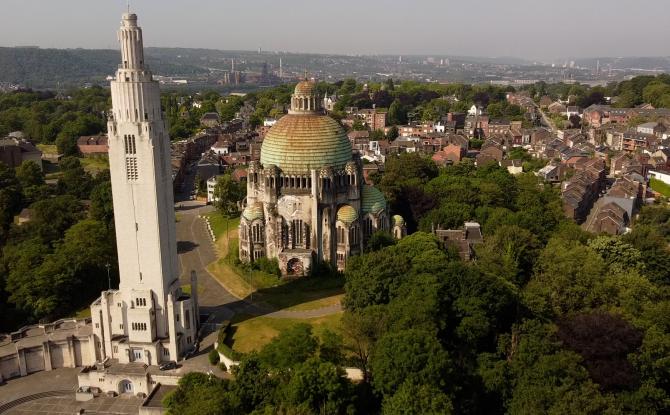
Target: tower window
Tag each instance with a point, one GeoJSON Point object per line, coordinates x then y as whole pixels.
{"type": "Point", "coordinates": [131, 169]}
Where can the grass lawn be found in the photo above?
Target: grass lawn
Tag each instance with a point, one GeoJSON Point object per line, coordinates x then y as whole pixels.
{"type": "Point", "coordinates": [48, 148]}
{"type": "Point", "coordinates": [297, 294]}
{"type": "Point", "coordinates": [83, 313]}
{"type": "Point", "coordinates": [95, 165]}
{"type": "Point", "coordinates": [219, 223]}
{"type": "Point", "coordinates": [252, 333]}
{"type": "Point", "coordinates": [660, 187]}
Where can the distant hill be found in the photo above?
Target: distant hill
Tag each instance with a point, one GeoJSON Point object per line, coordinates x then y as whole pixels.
{"type": "Point", "coordinates": [46, 68]}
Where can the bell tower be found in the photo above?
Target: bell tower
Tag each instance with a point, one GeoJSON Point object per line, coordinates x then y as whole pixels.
{"type": "Point", "coordinates": [149, 316]}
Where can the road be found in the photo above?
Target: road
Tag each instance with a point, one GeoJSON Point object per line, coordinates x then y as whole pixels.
{"type": "Point", "coordinates": [545, 120]}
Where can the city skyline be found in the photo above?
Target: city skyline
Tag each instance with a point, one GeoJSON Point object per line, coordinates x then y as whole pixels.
{"type": "Point", "coordinates": [427, 27]}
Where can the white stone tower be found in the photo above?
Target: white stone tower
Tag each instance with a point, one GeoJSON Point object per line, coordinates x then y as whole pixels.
{"type": "Point", "coordinates": [148, 319]}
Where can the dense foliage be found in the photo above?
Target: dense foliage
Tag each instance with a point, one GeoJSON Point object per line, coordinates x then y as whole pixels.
{"type": "Point", "coordinates": [549, 319]}
{"type": "Point", "coordinates": [55, 264]}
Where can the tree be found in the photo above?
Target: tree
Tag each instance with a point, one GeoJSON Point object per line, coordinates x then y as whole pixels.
{"type": "Point", "coordinates": [393, 133]}
{"type": "Point", "coordinates": [396, 114]}
{"type": "Point", "coordinates": [604, 341]}
{"type": "Point", "coordinates": [318, 386]}
{"type": "Point", "coordinates": [31, 177]}
{"type": "Point", "coordinates": [568, 278]}
{"type": "Point", "coordinates": [227, 194]}
{"type": "Point", "coordinates": [74, 180]}
{"type": "Point", "coordinates": [422, 399]}
{"type": "Point", "coordinates": [199, 393]}
{"type": "Point", "coordinates": [363, 328]}
{"type": "Point", "coordinates": [532, 374]}
{"type": "Point", "coordinates": [10, 198]}
{"type": "Point", "coordinates": [293, 346]}
{"type": "Point", "coordinates": [412, 355]}
{"type": "Point", "coordinates": [380, 239]}
{"type": "Point", "coordinates": [253, 384]}
{"type": "Point", "coordinates": [60, 282]}
{"type": "Point", "coordinates": [52, 217]}
{"type": "Point", "coordinates": [30, 174]}
{"type": "Point", "coordinates": [102, 206]}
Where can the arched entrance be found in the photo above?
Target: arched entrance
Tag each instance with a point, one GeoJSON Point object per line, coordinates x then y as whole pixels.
{"type": "Point", "coordinates": [295, 267]}
{"type": "Point", "coordinates": [125, 386]}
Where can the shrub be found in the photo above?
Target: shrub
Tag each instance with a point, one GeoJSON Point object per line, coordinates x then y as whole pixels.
{"type": "Point", "coordinates": [213, 357]}
{"type": "Point", "coordinates": [231, 354]}
{"type": "Point", "coordinates": [268, 266]}
{"type": "Point", "coordinates": [223, 367]}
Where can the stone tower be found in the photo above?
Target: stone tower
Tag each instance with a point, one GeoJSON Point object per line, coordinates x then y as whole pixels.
{"type": "Point", "coordinates": [148, 318]}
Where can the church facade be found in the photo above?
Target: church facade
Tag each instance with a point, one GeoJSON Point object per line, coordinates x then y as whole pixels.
{"type": "Point", "coordinates": [148, 319]}
{"type": "Point", "coordinates": [306, 199]}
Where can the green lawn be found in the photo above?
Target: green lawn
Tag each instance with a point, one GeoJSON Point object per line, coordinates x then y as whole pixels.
{"type": "Point", "coordinates": [220, 224]}
{"type": "Point", "coordinates": [83, 313]}
{"type": "Point", "coordinates": [94, 165]}
{"type": "Point", "coordinates": [660, 187]}
{"type": "Point", "coordinates": [48, 148]}
{"type": "Point", "coordinates": [281, 293]}
{"type": "Point", "coordinates": [252, 333]}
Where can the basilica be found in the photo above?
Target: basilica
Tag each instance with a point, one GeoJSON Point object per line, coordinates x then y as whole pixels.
{"type": "Point", "coordinates": [306, 199]}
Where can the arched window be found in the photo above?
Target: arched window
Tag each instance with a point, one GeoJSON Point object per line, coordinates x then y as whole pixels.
{"type": "Point", "coordinates": [340, 235]}
{"type": "Point", "coordinates": [257, 233]}
{"type": "Point", "coordinates": [297, 234]}
{"type": "Point", "coordinates": [367, 226]}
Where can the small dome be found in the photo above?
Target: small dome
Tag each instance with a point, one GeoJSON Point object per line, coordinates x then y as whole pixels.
{"type": "Point", "coordinates": [347, 214]}
{"type": "Point", "coordinates": [305, 88]}
{"type": "Point", "coordinates": [253, 212]}
{"type": "Point", "coordinates": [398, 220]}
{"type": "Point", "coordinates": [372, 200]}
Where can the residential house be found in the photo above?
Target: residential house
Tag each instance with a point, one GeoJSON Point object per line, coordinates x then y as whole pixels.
{"type": "Point", "coordinates": [651, 128]}
{"type": "Point", "coordinates": [514, 167]}
{"type": "Point", "coordinates": [210, 119]}
{"type": "Point", "coordinates": [451, 154]}
{"type": "Point", "coordinates": [93, 145]}
{"type": "Point", "coordinates": [463, 240]}
{"type": "Point", "coordinates": [14, 151]}
{"type": "Point", "coordinates": [556, 108]}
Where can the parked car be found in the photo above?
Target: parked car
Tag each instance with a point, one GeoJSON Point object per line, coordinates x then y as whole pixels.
{"type": "Point", "coordinates": [168, 365]}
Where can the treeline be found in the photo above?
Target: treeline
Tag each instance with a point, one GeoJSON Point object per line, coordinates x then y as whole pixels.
{"type": "Point", "coordinates": [654, 90]}
{"type": "Point", "coordinates": [51, 68]}
{"type": "Point", "coordinates": [45, 118]}
{"type": "Point", "coordinates": [54, 264]}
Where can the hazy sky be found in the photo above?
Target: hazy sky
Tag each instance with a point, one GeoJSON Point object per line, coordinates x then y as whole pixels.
{"type": "Point", "coordinates": [536, 29]}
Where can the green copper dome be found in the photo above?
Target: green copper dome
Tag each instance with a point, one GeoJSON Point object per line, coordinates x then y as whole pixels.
{"type": "Point", "coordinates": [253, 212]}
{"type": "Point", "coordinates": [298, 143]}
{"type": "Point", "coordinates": [347, 214]}
{"type": "Point", "coordinates": [372, 200]}
{"type": "Point", "coordinates": [398, 220]}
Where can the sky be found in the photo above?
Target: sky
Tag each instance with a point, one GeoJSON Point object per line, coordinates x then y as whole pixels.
{"type": "Point", "coordinates": [531, 29]}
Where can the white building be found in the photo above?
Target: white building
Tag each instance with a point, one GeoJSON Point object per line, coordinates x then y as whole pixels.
{"type": "Point", "coordinates": [148, 319]}
{"type": "Point", "coordinates": [211, 184]}
{"type": "Point", "coordinates": [475, 110]}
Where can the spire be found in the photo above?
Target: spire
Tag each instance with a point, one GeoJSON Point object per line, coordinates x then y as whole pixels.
{"type": "Point", "coordinates": [132, 47]}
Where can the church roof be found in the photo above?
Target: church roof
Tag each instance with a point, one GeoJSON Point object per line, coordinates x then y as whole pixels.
{"type": "Point", "coordinates": [347, 214]}
{"type": "Point", "coordinates": [298, 143]}
{"type": "Point", "coordinates": [372, 200]}
{"type": "Point", "coordinates": [253, 212]}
